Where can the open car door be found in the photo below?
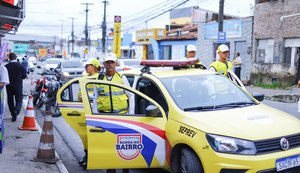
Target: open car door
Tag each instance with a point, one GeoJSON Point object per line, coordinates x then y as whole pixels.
{"type": "Point", "coordinates": [135, 139]}
{"type": "Point", "coordinates": [235, 79]}
{"type": "Point", "coordinates": [72, 109]}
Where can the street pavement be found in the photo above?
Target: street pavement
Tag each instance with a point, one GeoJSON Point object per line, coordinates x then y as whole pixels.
{"type": "Point", "coordinates": [21, 146]}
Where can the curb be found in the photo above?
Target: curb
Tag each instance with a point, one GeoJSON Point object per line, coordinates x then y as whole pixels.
{"type": "Point", "coordinates": [60, 165]}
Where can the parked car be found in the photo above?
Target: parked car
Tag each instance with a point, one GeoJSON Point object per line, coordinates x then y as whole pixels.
{"type": "Point", "coordinates": [50, 64]}
{"type": "Point", "coordinates": [32, 57]}
{"type": "Point", "coordinates": [128, 64]}
{"type": "Point", "coordinates": [70, 69]}
{"type": "Point", "coordinates": [185, 119]}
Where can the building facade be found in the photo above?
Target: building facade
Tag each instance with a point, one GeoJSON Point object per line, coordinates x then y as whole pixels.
{"type": "Point", "coordinates": [276, 42]}
{"type": "Point", "coordinates": [238, 38]}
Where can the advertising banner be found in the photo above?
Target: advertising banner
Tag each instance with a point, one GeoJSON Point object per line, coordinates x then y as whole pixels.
{"type": "Point", "coordinates": [117, 36]}
{"type": "Point", "coordinates": [3, 51]}
{"type": "Point", "coordinates": [1, 119]}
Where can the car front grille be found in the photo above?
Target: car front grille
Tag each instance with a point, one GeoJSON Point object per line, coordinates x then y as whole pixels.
{"type": "Point", "coordinates": [75, 73]}
{"type": "Point", "coordinates": [273, 145]}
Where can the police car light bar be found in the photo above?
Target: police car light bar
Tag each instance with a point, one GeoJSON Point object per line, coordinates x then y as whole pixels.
{"type": "Point", "coordinates": [170, 63]}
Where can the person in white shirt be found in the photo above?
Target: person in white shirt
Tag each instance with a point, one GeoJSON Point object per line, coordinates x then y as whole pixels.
{"type": "Point", "coordinates": [4, 80]}
{"type": "Point", "coordinates": [237, 64]}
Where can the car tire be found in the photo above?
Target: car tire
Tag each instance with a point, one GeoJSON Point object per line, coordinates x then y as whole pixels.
{"type": "Point", "coordinates": [186, 162]}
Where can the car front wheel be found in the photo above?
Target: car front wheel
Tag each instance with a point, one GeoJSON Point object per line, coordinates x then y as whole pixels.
{"type": "Point", "coordinates": [188, 162]}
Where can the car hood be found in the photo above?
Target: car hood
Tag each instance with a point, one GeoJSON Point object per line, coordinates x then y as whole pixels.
{"type": "Point", "coordinates": [72, 69]}
{"type": "Point", "coordinates": [253, 123]}
{"type": "Point", "coordinates": [51, 65]}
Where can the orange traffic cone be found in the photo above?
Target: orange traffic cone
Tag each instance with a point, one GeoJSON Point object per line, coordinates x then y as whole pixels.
{"type": "Point", "coordinates": [29, 121]}
{"type": "Point", "coordinates": [46, 152]}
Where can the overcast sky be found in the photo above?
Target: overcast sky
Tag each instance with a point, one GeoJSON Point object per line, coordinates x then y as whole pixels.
{"type": "Point", "coordinates": [45, 17]}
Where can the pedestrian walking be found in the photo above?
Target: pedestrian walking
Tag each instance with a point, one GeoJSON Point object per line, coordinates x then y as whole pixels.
{"type": "Point", "coordinates": [16, 73]}
{"type": "Point", "coordinates": [237, 64]}
{"type": "Point", "coordinates": [222, 65]}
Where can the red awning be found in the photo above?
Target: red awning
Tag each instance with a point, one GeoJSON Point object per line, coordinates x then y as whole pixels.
{"type": "Point", "coordinates": [11, 16]}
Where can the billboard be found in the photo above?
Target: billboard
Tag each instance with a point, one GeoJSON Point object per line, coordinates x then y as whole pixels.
{"type": "Point", "coordinates": [117, 36]}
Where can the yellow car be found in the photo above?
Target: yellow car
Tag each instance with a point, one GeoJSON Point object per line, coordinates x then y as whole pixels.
{"type": "Point", "coordinates": [183, 120]}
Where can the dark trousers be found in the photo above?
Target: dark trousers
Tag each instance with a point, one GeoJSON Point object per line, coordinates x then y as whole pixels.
{"type": "Point", "coordinates": [237, 71]}
{"type": "Point", "coordinates": [14, 101]}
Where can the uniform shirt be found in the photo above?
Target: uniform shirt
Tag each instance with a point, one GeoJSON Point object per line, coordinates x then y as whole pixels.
{"type": "Point", "coordinates": [130, 95]}
{"type": "Point", "coordinates": [221, 67]}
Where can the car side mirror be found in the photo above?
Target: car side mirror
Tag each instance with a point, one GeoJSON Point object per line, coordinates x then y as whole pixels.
{"type": "Point", "coordinates": [258, 96]}
{"type": "Point", "coordinates": [153, 111]}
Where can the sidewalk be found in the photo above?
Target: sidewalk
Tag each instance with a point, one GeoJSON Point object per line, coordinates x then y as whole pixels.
{"type": "Point", "coordinates": [21, 146]}
{"type": "Point", "coordinates": [290, 95]}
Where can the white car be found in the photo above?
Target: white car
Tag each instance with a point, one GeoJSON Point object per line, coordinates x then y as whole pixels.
{"type": "Point", "coordinates": [128, 64]}
{"type": "Point", "coordinates": [33, 60]}
{"type": "Point", "coordinates": [50, 64]}
{"type": "Point", "coordinates": [70, 69]}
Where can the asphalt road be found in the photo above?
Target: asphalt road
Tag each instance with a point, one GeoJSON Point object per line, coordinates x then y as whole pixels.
{"type": "Point", "coordinates": [68, 144]}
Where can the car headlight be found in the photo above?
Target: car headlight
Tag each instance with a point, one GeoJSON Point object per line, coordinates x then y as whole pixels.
{"type": "Point", "coordinates": [66, 73]}
{"type": "Point", "coordinates": [230, 145]}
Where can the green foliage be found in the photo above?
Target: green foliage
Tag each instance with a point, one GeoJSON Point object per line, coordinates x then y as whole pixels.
{"type": "Point", "coordinates": [269, 86]}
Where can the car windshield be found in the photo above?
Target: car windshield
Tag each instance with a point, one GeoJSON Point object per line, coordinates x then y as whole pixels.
{"type": "Point", "coordinates": [206, 92]}
{"type": "Point", "coordinates": [52, 62]}
{"type": "Point", "coordinates": [71, 64]}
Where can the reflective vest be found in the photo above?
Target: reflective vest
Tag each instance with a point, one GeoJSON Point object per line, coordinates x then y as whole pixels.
{"type": "Point", "coordinates": [221, 67]}
{"type": "Point", "coordinates": [116, 95]}
{"type": "Point", "coordinates": [89, 87]}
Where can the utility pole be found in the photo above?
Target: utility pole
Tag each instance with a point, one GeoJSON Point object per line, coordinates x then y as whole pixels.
{"type": "Point", "coordinates": [221, 15]}
{"type": "Point", "coordinates": [104, 27]}
{"type": "Point", "coordinates": [86, 32]}
{"type": "Point", "coordinates": [61, 37]}
{"type": "Point", "coordinates": [72, 35]}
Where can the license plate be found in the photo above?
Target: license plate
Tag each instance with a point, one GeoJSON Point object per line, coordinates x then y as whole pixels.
{"type": "Point", "coordinates": [288, 162]}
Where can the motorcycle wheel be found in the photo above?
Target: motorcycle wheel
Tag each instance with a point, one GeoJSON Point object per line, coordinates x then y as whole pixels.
{"type": "Point", "coordinates": [40, 102]}
{"type": "Point", "coordinates": [35, 98]}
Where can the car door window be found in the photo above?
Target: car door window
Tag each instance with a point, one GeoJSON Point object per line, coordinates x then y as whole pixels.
{"type": "Point", "coordinates": [148, 88]}
{"type": "Point", "coordinates": [71, 93]}
{"type": "Point", "coordinates": [111, 99]}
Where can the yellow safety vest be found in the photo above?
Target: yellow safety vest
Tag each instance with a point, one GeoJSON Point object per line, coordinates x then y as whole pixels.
{"type": "Point", "coordinates": [89, 87]}
{"type": "Point", "coordinates": [116, 95]}
{"type": "Point", "coordinates": [221, 67]}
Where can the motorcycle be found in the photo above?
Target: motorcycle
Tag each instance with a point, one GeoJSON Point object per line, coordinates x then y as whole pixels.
{"type": "Point", "coordinates": [50, 97]}
{"type": "Point", "coordinates": [40, 90]}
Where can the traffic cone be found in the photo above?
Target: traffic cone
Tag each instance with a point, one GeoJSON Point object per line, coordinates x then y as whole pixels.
{"type": "Point", "coordinates": [46, 152]}
{"type": "Point", "coordinates": [29, 121]}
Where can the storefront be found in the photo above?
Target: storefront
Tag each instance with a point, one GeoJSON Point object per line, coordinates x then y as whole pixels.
{"type": "Point", "coordinates": [146, 41]}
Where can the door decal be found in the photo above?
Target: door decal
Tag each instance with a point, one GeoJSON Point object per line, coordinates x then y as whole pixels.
{"type": "Point", "coordinates": [129, 146]}
{"type": "Point", "coordinates": [70, 105]}
{"type": "Point", "coordinates": [152, 138]}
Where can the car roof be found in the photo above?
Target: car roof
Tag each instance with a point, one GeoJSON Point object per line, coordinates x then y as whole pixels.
{"type": "Point", "coordinates": [164, 72]}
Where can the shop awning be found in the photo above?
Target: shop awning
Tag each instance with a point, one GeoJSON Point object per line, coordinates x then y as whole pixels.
{"type": "Point", "coordinates": [11, 17]}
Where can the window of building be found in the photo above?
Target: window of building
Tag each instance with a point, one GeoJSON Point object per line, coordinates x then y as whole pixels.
{"type": "Point", "coordinates": [287, 55]}
{"type": "Point", "coordinates": [167, 52]}
{"type": "Point", "coordinates": [265, 51]}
